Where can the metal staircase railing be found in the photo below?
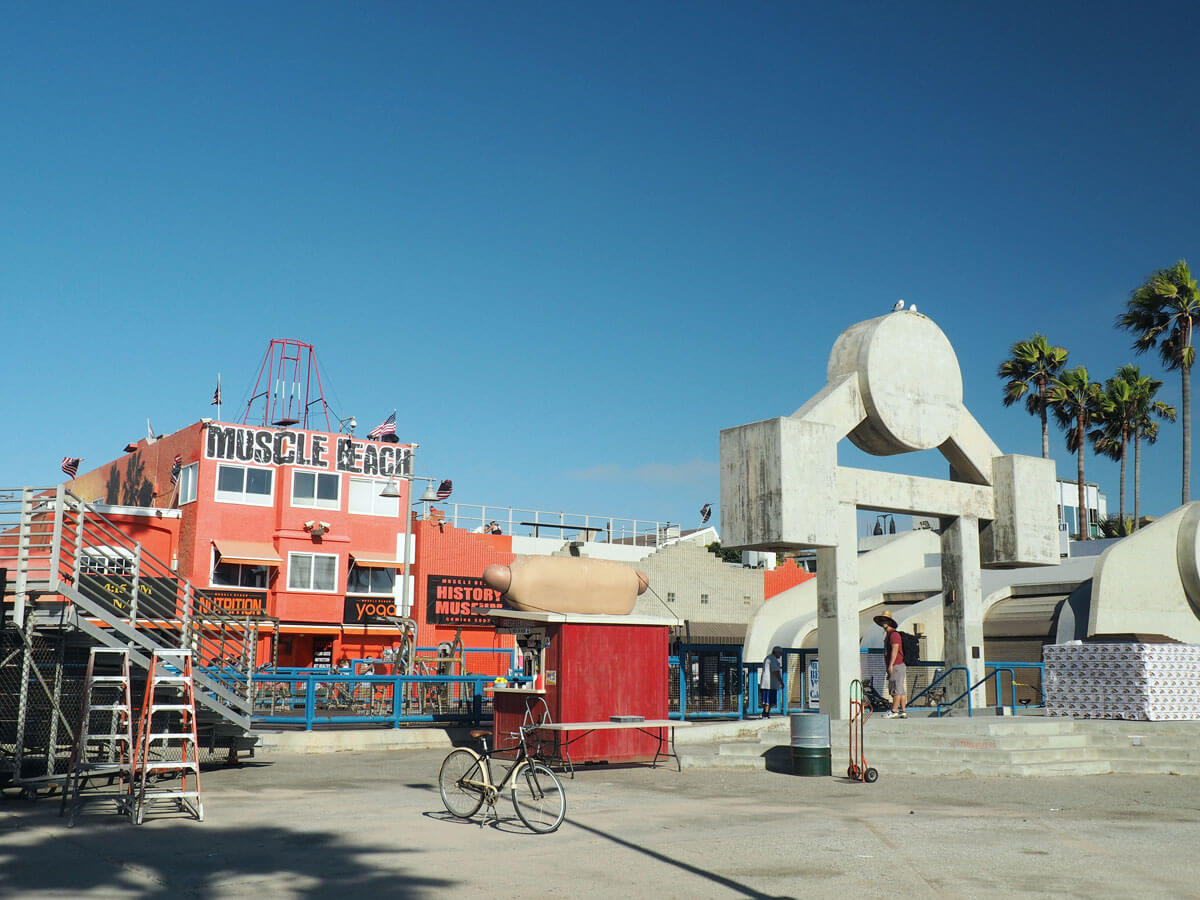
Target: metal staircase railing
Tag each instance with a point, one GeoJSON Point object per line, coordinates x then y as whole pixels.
{"type": "Point", "coordinates": [76, 567]}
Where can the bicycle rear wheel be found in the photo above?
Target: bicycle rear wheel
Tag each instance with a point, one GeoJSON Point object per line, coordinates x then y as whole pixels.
{"type": "Point", "coordinates": [460, 798]}
{"type": "Point", "coordinates": [538, 797]}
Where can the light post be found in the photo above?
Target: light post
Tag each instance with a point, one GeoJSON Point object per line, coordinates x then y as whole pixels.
{"type": "Point", "coordinates": [392, 489]}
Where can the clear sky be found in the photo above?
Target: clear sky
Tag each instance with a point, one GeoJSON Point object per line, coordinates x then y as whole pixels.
{"type": "Point", "coordinates": [570, 242]}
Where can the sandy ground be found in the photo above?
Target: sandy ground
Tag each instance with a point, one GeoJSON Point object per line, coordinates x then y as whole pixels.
{"type": "Point", "coordinates": [367, 825]}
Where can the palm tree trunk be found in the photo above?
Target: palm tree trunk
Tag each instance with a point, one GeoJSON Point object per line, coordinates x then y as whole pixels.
{"type": "Point", "coordinates": [1083, 529]}
{"type": "Point", "coordinates": [1045, 427]}
{"type": "Point", "coordinates": [1124, 450]}
{"type": "Point", "coordinates": [1137, 479]}
{"type": "Point", "coordinates": [1187, 433]}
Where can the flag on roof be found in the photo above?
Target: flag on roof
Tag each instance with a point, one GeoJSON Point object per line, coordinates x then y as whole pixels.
{"type": "Point", "coordinates": [705, 512]}
{"type": "Point", "coordinates": [175, 467]}
{"type": "Point", "coordinates": [70, 465]}
{"type": "Point", "coordinates": [387, 426]}
{"type": "Point", "coordinates": [216, 400]}
{"type": "Point", "coordinates": [444, 489]}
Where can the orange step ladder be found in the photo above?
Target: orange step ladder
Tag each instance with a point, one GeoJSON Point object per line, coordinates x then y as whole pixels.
{"type": "Point", "coordinates": [167, 728]}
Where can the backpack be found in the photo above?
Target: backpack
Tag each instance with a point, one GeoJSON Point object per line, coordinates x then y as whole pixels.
{"type": "Point", "coordinates": [910, 646]}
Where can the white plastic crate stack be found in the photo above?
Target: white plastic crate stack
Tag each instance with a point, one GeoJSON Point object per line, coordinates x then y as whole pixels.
{"type": "Point", "coordinates": [1154, 682]}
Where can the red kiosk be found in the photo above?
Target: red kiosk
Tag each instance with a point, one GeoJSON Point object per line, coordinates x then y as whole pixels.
{"type": "Point", "coordinates": [600, 689]}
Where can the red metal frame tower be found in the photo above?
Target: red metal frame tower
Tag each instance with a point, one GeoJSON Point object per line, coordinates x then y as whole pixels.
{"type": "Point", "coordinates": [284, 385]}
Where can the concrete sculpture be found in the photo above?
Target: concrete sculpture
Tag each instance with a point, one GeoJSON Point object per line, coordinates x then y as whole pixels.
{"type": "Point", "coordinates": [893, 385]}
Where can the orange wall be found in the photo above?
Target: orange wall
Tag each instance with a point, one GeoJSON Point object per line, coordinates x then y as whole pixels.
{"type": "Point", "coordinates": [782, 577]}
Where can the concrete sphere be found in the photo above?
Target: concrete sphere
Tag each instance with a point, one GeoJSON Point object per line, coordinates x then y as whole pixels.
{"type": "Point", "coordinates": [910, 381]}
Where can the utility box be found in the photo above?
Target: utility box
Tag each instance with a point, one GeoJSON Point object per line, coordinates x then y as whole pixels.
{"type": "Point", "coordinates": [590, 668]}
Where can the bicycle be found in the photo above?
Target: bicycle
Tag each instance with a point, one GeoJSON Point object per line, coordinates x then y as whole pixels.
{"type": "Point", "coordinates": [465, 782]}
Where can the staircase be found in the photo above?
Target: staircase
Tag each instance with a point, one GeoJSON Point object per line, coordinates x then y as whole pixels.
{"type": "Point", "coordinates": [51, 543]}
{"type": "Point", "coordinates": [982, 745]}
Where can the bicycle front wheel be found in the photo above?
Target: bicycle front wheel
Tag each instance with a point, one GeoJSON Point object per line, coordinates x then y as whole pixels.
{"type": "Point", "coordinates": [538, 797]}
{"type": "Point", "coordinates": [458, 780]}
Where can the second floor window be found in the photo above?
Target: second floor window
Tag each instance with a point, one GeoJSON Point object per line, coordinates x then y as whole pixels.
{"type": "Point", "coordinates": [241, 484]}
{"type": "Point", "coordinates": [187, 483]}
{"type": "Point", "coordinates": [321, 490]}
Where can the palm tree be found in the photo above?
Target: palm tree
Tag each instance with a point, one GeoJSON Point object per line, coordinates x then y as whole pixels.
{"type": "Point", "coordinates": [1145, 427]}
{"type": "Point", "coordinates": [1030, 368]}
{"type": "Point", "coordinates": [1162, 313]}
{"type": "Point", "coordinates": [1115, 415]}
{"type": "Point", "coordinates": [1075, 399]}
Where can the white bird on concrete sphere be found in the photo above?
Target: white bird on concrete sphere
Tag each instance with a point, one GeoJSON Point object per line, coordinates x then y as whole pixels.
{"type": "Point", "coordinates": [913, 308]}
{"type": "Point", "coordinates": [899, 306]}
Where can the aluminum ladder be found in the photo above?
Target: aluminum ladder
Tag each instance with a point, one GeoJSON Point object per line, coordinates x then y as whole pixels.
{"type": "Point", "coordinates": [104, 741]}
{"type": "Point", "coordinates": [167, 728]}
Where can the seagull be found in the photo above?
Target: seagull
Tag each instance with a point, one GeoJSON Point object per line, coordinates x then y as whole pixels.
{"type": "Point", "coordinates": [913, 308]}
{"type": "Point", "coordinates": [899, 306]}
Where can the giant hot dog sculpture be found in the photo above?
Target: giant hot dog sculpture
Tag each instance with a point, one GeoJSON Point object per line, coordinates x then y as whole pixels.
{"type": "Point", "coordinates": [568, 584]}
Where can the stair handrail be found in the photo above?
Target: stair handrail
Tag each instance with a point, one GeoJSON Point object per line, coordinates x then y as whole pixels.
{"type": "Point", "coordinates": [938, 679]}
{"type": "Point", "coordinates": [980, 683]}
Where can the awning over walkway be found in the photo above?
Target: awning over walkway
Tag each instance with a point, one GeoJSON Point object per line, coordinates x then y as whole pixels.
{"type": "Point", "coordinates": [248, 553]}
{"type": "Point", "coordinates": [377, 560]}
{"type": "Point", "coordinates": [733, 633]}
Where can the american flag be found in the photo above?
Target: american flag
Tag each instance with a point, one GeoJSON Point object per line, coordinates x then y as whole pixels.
{"type": "Point", "coordinates": [216, 400]}
{"type": "Point", "coordinates": [387, 426]}
{"type": "Point", "coordinates": [705, 512]}
{"type": "Point", "coordinates": [444, 489]}
{"type": "Point", "coordinates": [70, 465]}
{"type": "Point", "coordinates": [176, 466]}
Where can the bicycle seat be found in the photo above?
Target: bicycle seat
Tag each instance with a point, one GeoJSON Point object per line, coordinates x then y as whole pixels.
{"type": "Point", "coordinates": [480, 732]}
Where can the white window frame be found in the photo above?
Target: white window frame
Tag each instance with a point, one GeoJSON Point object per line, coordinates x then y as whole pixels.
{"type": "Point", "coordinates": [377, 485]}
{"type": "Point", "coordinates": [243, 498]}
{"type": "Point", "coordinates": [316, 502]}
{"type": "Point", "coordinates": [311, 590]}
{"type": "Point", "coordinates": [189, 478]}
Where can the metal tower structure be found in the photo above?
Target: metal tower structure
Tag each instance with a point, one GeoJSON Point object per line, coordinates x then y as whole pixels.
{"type": "Point", "coordinates": [284, 391]}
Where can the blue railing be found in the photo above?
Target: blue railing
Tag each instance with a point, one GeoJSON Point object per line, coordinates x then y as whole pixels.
{"type": "Point", "coordinates": [320, 698]}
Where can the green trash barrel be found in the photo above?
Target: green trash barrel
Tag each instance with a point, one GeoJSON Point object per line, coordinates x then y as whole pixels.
{"type": "Point", "coordinates": [810, 744]}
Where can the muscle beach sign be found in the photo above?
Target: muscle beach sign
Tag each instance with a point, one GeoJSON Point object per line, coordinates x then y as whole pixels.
{"type": "Point", "coordinates": [281, 447]}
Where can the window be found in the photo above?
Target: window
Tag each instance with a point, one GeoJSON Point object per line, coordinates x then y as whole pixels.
{"type": "Point", "coordinates": [365, 499]}
{"type": "Point", "coordinates": [670, 596]}
{"type": "Point", "coordinates": [370, 580]}
{"type": "Point", "coordinates": [104, 561]}
{"type": "Point", "coordinates": [187, 483]}
{"type": "Point", "coordinates": [312, 572]}
{"type": "Point", "coordinates": [704, 598]}
{"type": "Point", "coordinates": [240, 484]}
{"type": "Point", "coordinates": [745, 600]}
{"type": "Point", "coordinates": [322, 490]}
{"type": "Point", "coordinates": [239, 575]}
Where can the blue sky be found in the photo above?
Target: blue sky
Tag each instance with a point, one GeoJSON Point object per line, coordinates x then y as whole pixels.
{"type": "Point", "coordinates": [569, 243]}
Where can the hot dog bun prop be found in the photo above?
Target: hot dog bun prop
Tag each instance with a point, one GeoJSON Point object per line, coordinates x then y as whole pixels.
{"type": "Point", "coordinates": [568, 584]}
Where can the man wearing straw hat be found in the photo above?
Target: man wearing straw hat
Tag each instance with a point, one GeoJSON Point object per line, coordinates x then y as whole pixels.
{"type": "Point", "coordinates": [893, 657]}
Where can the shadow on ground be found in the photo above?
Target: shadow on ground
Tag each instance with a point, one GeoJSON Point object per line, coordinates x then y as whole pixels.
{"type": "Point", "coordinates": [172, 856]}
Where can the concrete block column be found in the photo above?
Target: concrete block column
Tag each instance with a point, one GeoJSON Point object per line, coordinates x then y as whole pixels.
{"type": "Point", "coordinates": [962, 600]}
{"type": "Point", "coordinates": [837, 616]}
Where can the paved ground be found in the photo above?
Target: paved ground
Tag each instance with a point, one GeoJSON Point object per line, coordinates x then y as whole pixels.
{"type": "Point", "coordinates": [365, 825]}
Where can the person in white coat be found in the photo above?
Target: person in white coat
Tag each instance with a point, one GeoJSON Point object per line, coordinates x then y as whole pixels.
{"type": "Point", "coordinates": [771, 681]}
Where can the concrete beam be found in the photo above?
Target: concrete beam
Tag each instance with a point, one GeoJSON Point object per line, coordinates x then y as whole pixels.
{"type": "Point", "coordinates": [887, 492]}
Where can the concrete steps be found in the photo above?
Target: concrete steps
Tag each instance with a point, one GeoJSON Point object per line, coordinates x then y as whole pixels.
{"type": "Point", "coordinates": [1007, 746]}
